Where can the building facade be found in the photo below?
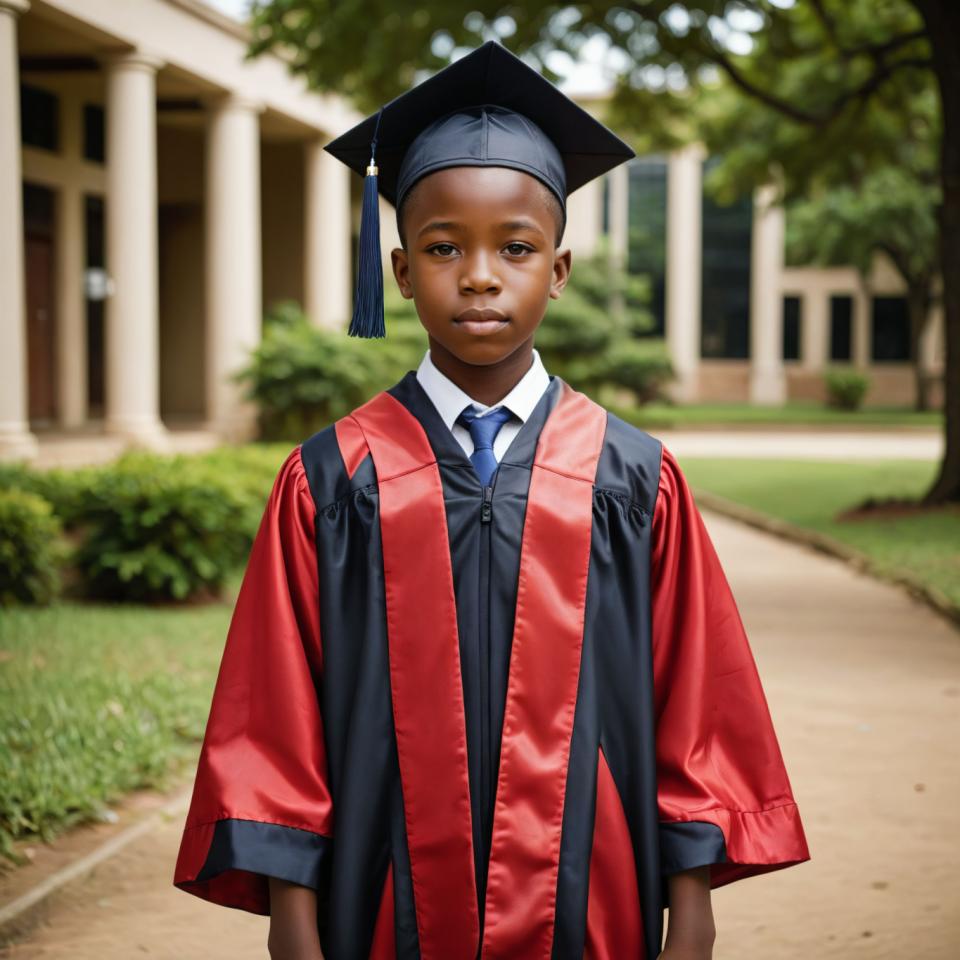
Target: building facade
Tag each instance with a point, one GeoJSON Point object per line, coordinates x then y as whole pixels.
{"type": "Point", "coordinates": [156, 192]}
{"type": "Point", "coordinates": [742, 326]}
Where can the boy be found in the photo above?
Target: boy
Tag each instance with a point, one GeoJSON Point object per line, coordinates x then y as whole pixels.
{"type": "Point", "coordinates": [486, 692]}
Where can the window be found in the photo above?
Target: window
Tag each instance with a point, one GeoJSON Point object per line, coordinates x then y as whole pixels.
{"type": "Point", "coordinates": [93, 135]}
{"type": "Point", "coordinates": [647, 245]}
{"type": "Point", "coordinates": [792, 316]}
{"type": "Point", "coordinates": [39, 118]}
{"type": "Point", "coordinates": [890, 326]}
{"type": "Point", "coordinates": [841, 328]}
{"type": "Point", "coordinates": [725, 330]}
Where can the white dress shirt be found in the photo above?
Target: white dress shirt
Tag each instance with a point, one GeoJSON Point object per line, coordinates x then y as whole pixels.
{"type": "Point", "coordinates": [450, 400]}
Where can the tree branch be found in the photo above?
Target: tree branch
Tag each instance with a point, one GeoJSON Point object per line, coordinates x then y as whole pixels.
{"type": "Point", "coordinates": [883, 73]}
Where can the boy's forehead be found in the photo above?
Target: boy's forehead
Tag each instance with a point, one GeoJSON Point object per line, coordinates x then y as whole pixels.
{"type": "Point", "coordinates": [470, 186]}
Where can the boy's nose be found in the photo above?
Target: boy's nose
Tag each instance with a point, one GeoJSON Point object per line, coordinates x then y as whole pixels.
{"type": "Point", "coordinates": [478, 276]}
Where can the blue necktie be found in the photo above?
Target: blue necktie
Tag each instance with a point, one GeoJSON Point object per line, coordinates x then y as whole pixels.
{"type": "Point", "coordinates": [483, 430]}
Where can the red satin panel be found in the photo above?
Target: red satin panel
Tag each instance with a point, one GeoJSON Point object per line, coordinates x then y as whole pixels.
{"type": "Point", "coordinates": [263, 756]}
{"type": "Point", "coordinates": [542, 685]}
{"type": "Point", "coordinates": [425, 679]}
{"type": "Point", "coordinates": [718, 759]}
{"type": "Point", "coordinates": [384, 945]}
{"type": "Point", "coordinates": [350, 440]}
{"type": "Point", "coordinates": [614, 922]}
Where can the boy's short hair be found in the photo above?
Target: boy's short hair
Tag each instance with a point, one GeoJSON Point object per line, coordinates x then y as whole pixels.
{"type": "Point", "coordinates": [547, 196]}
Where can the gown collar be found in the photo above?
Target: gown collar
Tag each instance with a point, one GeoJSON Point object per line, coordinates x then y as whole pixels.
{"type": "Point", "coordinates": [522, 449]}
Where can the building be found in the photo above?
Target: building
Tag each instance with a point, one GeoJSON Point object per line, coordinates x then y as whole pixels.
{"type": "Point", "coordinates": [158, 192]}
{"type": "Point", "coordinates": [161, 192]}
{"type": "Point", "coordinates": [740, 325]}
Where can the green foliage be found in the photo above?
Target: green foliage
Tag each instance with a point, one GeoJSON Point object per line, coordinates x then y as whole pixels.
{"type": "Point", "coordinates": [161, 528]}
{"type": "Point", "coordinates": [303, 378]}
{"type": "Point", "coordinates": [62, 488]}
{"type": "Point", "coordinates": [30, 548]}
{"type": "Point", "coordinates": [96, 701]}
{"type": "Point", "coordinates": [890, 210]}
{"type": "Point", "coordinates": [593, 343]}
{"type": "Point", "coordinates": [846, 387]}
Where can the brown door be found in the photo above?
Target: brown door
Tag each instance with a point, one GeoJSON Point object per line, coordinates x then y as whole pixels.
{"type": "Point", "coordinates": [38, 223]}
{"type": "Point", "coordinates": [41, 328]}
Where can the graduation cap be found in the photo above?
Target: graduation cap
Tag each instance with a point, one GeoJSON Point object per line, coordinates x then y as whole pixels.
{"type": "Point", "coordinates": [487, 109]}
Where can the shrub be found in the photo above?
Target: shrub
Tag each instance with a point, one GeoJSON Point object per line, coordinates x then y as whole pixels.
{"type": "Point", "coordinates": [846, 387]}
{"type": "Point", "coordinates": [161, 528]}
{"type": "Point", "coordinates": [302, 378]}
{"type": "Point", "coordinates": [62, 488]}
{"type": "Point", "coordinates": [30, 549]}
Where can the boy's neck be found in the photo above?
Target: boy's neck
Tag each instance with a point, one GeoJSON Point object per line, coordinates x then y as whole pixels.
{"type": "Point", "coordinates": [488, 384]}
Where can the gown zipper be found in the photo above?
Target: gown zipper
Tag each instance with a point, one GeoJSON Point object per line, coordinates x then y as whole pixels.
{"type": "Point", "coordinates": [486, 514]}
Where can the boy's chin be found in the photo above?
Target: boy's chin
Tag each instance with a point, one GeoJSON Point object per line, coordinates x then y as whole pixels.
{"type": "Point", "coordinates": [480, 351]}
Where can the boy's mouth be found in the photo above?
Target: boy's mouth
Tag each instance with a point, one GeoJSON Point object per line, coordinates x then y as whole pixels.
{"type": "Point", "coordinates": [481, 321]}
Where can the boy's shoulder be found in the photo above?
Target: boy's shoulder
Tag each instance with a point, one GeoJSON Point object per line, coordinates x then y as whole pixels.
{"type": "Point", "coordinates": [629, 462]}
{"type": "Point", "coordinates": [327, 474]}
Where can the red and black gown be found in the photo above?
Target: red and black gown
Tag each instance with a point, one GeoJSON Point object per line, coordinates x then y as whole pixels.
{"type": "Point", "coordinates": [484, 721]}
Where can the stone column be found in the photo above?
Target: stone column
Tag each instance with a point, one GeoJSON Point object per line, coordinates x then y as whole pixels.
{"type": "Point", "coordinates": [16, 440]}
{"type": "Point", "coordinates": [233, 259]}
{"type": "Point", "coordinates": [71, 302]}
{"type": "Point", "coordinates": [815, 330]}
{"type": "Point", "coordinates": [618, 213]}
{"type": "Point", "coordinates": [132, 320]}
{"type": "Point", "coordinates": [327, 227]}
{"type": "Point", "coordinates": [684, 280]}
{"type": "Point", "coordinates": [767, 381]}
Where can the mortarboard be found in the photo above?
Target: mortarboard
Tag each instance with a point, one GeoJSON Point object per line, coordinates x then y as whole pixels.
{"type": "Point", "coordinates": [486, 109]}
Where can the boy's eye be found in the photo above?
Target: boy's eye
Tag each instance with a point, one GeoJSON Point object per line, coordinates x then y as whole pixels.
{"type": "Point", "coordinates": [442, 249]}
{"type": "Point", "coordinates": [517, 249]}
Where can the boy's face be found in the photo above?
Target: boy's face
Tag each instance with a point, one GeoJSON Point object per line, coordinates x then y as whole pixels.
{"type": "Point", "coordinates": [480, 261]}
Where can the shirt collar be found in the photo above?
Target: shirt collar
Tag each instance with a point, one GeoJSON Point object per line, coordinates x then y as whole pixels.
{"type": "Point", "coordinates": [450, 400]}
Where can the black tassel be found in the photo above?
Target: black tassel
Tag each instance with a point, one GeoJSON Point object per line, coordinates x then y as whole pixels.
{"type": "Point", "coordinates": [368, 302]}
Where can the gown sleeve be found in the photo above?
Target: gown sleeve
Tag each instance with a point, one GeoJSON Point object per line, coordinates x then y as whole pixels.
{"type": "Point", "coordinates": [261, 804]}
{"type": "Point", "coordinates": [723, 795]}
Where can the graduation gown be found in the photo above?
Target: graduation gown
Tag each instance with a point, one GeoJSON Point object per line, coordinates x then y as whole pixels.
{"type": "Point", "coordinates": [484, 721]}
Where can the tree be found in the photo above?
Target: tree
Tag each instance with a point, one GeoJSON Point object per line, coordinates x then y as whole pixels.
{"type": "Point", "coordinates": [889, 212]}
{"type": "Point", "coordinates": [818, 64]}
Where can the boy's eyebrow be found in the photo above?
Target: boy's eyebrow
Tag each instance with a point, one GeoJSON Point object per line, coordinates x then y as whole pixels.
{"type": "Point", "coordinates": [438, 225]}
{"type": "Point", "coordinates": [521, 225]}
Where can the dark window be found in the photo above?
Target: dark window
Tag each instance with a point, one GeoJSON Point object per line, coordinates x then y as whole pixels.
{"type": "Point", "coordinates": [841, 328]}
{"type": "Point", "coordinates": [93, 137]}
{"type": "Point", "coordinates": [648, 231]}
{"type": "Point", "coordinates": [725, 330]}
{"type": "Point", "coordinates": [792, 314]}
{"type": "Point", "coordinates": [39, 118]}
{"type": "Point", "coordinates": [95, 308]}
{"type": "Point", "coordinates": [890, 324]}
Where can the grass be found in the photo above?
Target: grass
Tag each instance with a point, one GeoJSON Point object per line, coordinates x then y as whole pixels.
{"type": "Point", "coordinates": [810, 494]}
{"type": "Point", "coordinates": [796, 413]}
{"type": "Point", "coordinates": [97, 700]}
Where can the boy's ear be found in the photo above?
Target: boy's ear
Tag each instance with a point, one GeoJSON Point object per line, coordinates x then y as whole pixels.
{"type": "Point", "coordinates": [401, 270]}
{"type": "Point", "coordinates": [562, 263]}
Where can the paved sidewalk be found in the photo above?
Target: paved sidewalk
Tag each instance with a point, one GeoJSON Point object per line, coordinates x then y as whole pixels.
{"type": "Point", "coordinates": [864, 687]}
{"type": "Point", "coordinates": [805, 445]}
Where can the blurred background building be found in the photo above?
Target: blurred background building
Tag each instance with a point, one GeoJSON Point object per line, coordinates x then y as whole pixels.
{"type": "Point", "coordinates": [158, 192]}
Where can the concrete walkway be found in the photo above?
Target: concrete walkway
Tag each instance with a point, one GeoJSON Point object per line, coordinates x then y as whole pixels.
{"type": "Point", "coordinates": [806, 444]}
{"type": "Point", "coordinates": [864, 687]}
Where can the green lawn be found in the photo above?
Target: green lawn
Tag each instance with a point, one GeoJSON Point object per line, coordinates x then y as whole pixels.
{"type": "Point", "coordinates": [810, 494]}
{"type": "Point", "coordinates": [664, 416]}
{"type": "Point", "coordinates": [97, 700]}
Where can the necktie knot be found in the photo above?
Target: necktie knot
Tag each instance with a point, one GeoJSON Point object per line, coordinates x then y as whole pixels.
{"type": "Point", "coordinates": [483, 431]}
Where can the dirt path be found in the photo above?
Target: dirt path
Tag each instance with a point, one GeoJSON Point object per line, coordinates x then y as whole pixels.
{"type": "Point", "coordinates": [864, 687]}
